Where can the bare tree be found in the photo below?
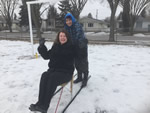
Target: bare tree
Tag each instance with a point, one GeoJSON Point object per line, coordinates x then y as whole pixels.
{"type": "Point", "coordinates": [36, 15]}
{"type": "Point", "coordinates": [52, 14]}
{"type": "Point", "coordinates": [135, 8]}
{"type": "Point", "coordinates": [73, 6]}
{"type": "Point", "coordinates": [64, 6]}
{"type": "Point", "coordinates": [125, 15]}
{"type": "Point", "coordinates": [148, 10]}
{"type": "Point", "coordinates": [35, 12]}
{"type": "Point", "coordinates": [77, 7]}
{"type": "Point", "coordinates": [7, 8]}
{"type": "Point", "coordinates": [113, 6]}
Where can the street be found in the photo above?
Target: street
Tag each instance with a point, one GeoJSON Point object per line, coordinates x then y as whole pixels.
{"type": "Point", "coordinates": [93, 38]}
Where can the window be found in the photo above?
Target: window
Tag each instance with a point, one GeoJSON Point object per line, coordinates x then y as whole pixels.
{"type": "Point", "coordinates": [90, 24]}
{"type": "Point", "coordinates": [148, 27]}
{"type": "Point", "coordinates": [139, 25]}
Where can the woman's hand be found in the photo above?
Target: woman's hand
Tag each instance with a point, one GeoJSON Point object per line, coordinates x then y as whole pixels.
{"type": "Point", "coordinates": [41, 41]}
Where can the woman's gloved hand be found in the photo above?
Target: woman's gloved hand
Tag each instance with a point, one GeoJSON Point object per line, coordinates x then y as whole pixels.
{"type": "Point", "coordinates": [41, 41]}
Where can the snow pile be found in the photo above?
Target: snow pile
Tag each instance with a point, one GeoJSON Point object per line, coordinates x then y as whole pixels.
{"type": "Point", "coordinates": [89, 33]}
{"type": "Point", "coordinates": [96, 34]}
{"type": "Point", "coordinates": [8, 31]}
{"type": "Point", "coordinates": [100, 33]}
{"type": "Point", "coordinates": [120, 81]}
{"type": "Point", "coordinates": [139, 35]}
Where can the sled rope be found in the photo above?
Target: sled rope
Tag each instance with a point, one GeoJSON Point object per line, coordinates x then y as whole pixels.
{"type": "Point", "coordinates": [59, 100]}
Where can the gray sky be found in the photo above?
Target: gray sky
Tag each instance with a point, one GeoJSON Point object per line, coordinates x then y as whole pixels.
{"type": "Point", "coordinates": [92, 6]}
{"type": "Point", "coordinates": [102, 8]}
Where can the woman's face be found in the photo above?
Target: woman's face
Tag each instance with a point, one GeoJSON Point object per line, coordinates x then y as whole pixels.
{"type": "Point", "coordinates": [62, 38]}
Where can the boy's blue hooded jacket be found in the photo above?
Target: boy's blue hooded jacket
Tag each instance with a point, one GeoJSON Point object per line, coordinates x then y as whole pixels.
{"type": "Point", "coordinates": [75, 31]}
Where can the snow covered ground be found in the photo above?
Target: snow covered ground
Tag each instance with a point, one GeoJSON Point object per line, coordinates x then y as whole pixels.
{"type": "Point", "coordinates": [120, 81]}
{"type": "Point", "coordinates": [96, 34]}
{"type": "Point", "coordinates": [141, 35]}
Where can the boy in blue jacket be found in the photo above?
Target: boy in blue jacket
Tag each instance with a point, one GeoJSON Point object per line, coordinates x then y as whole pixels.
{"type": "Point", "coordinates": [79, 40]}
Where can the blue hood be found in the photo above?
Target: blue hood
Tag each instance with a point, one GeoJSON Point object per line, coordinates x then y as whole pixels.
{"type": "Point", "coordinates": [72, 17]}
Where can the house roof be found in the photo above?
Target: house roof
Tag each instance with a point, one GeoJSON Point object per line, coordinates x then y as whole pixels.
{"type": "Point", "coordinates": [142, 19]}
{"type": "Point", "coordinates": [87, 19]}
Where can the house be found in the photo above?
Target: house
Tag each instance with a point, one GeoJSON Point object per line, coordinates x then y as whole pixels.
{"type": "Point", "coordinates": [93, 25]}
{"type": "Point", "coordinates": [15, 25]}
{"type": "Point", "coordinates": [88, 24]}
{"type": "Point", "coordinates": [51, 24]}
{"type": "Point", "coordinates": [142, 24]}
{"type": "Point", "coordinates": [3, 24]}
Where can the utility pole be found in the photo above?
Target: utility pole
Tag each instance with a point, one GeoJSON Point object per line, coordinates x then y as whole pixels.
{"type": "Point", "coordinates": [96, 13]}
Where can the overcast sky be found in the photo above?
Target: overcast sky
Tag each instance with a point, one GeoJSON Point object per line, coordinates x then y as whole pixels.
{"type": "Point", "coordinates": [102, 8]}
{"type": "Point", "coordinates": [92, 6]}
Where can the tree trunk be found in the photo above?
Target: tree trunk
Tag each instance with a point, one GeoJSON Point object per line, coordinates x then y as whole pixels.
{"type": "Point", "coordinates": [10, 29]}
{"type": "Point", "coordinates": [36, 20]}
{"type": "Point", "coordinates": [126, 16]}
{"type": "Point", "coordinates": [112, 27]}
{"type": "Point", "coordinates": [9, 25]}
{"type": "Point", "coordinates": [132, 22]}
{"type": "Point", "coordinates": [38, 33]}
{"type": "Point", "coordinates": [131, 30]}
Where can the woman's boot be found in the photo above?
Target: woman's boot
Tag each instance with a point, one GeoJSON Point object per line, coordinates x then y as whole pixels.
{"type": "Point", "coordinates": [79, 78]}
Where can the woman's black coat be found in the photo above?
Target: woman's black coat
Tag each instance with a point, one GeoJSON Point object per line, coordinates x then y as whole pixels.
{"type": "Point", "coordinates": [61, 56]}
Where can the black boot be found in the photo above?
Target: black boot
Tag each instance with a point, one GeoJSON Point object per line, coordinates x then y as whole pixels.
{"type": "Point", "coordinates": [79, 78]}
{"type": "Point", "coordinates": [85, 79]}
{"type": "Point", "coordinates": [35, 107]}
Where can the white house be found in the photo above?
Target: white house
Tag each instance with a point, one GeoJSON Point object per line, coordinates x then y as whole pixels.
{"type": "Point", "coordinates": [93, 25]}
{"type": "Point", "coordinates": [2, 23]}
{"type": "Point", "coordinates": [142, 24]}
{"type": "Point", "coordinates": [51, 24]}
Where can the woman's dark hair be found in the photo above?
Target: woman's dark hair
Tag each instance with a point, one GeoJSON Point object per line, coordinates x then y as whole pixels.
{"type": "Point", "coordinates": [57, 37]}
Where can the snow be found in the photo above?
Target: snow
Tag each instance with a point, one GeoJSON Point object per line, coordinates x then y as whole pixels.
{"type": "Point", "coordinates": [139, 35]}
{"type": "Point", "coordinates": [120, 81]}
{"type": "Point", "coordinates": [96, 34]}
{"type": "Point", "coordinates": [9, 31]}
{"type": "Point", "coordinates": [100, 34]}
{"type": "Point", "coordinates": [89, 33]}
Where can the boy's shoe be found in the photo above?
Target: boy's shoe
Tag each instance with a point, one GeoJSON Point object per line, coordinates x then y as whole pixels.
{"type": "Point", "coordinates": [79, 79]}
{"type": "Point", "coordinates": [85, 79]}
{"type": "Point", "coordinates": [84, 83]}
{"type": "Point", "coordinates": [34, 107]}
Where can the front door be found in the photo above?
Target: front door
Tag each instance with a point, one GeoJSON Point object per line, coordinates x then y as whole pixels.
{"type": "Point", "coordinates": [148, 27]}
